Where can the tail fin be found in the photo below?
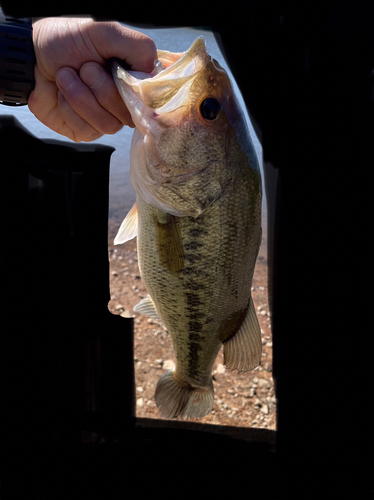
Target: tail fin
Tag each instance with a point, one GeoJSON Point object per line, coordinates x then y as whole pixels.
{"type": "Point", "coordinates": [174, 399]}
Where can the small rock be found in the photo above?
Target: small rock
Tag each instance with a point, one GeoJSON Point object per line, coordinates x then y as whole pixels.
{"type": "Point", "coordinates": [140, 389]}
{"type": "Point", "coordinates": [140, 402]}
{"type": "Point", "coordinates": [257, 403]}
{"type": "Point", "coordinates": [150, 403]}
{"type": "Point", "coordinates": [168, 364]}
{"type": "Point", "coordinates": [114, 273]}
{"type": "Point", "coordinates": [248, 394]}
{"type": "Point", "coordinates": [221, 368]}
{"type": "Point", "coordinates": [126, 314]}
{"type": "Point", "coordinates": [263, 313]}
{"type": "Point", "coordinates": [255, 380]}
{"type": "Point", "coordinates": [270, 344]}
{"type": "Point", "coordinates": [263, 384]}
{"type": "Point", "coordinates": [230, 391]}
{"type": "Point", "coordinates": [264, 409]}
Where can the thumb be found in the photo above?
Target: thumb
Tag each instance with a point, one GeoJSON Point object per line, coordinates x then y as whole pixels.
{"type": "Point", "coordinates": [111, 39]}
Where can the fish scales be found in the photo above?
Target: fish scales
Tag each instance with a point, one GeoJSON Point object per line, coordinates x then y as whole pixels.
{"type": "Point", "coordinates": [208, 288]}
{"type": "Point", "coordinates": [198, 222]}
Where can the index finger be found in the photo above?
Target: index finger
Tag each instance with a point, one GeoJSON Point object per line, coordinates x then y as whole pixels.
{"type": "Point", "coordinates": [115, 40]}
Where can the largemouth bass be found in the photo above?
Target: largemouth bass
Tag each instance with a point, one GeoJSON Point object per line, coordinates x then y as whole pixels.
{"type": "Point", "coordinates": [197, 219]}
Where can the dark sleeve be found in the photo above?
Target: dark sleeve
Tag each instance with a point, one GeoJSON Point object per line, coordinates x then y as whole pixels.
{"type": "Point", "coordinates": [17, 60]}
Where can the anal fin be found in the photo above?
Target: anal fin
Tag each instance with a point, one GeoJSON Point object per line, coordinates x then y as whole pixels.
{"type": "Point", "coordinates": [129, 227]}
{"type": "Point", "coordinates": [243, 351]}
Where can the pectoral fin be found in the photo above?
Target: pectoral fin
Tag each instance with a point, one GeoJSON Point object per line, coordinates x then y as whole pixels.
{"type": "Point", "coordinates": [243, 351]}
{"type": "Point", "coordinates": [129, 227]}
{"type": "Point", "coordinates": [147, 307]}
{"type": "Point", "coordinates": [169, 242]}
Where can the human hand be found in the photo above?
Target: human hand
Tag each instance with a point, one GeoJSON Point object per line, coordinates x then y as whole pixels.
{"type": "Point", "coordinates": [74, 95]}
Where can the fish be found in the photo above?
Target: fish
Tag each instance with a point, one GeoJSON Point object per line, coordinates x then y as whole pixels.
{"type": "Point", "coordinates": [197, 219]}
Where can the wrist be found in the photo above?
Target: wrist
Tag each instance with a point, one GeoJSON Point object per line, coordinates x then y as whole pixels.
{"type": "Point", "coordinates": [17, 60]}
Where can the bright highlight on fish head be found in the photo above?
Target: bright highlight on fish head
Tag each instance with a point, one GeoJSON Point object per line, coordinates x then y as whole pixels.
{"type": "Point", "coordinates": [186, 117]}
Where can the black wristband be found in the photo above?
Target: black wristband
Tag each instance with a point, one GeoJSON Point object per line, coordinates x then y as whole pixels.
{"type": "Point", "coordinates": [17, 60]}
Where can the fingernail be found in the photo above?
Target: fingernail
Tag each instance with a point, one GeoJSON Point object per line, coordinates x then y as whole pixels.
{"type": "Point", "coordinates": [65, 79]}
{"type": "Point", "coordinates": [91, 76]}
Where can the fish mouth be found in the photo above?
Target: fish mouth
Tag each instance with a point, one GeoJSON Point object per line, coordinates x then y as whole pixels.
{"type": "Point", "coordinates": [174, 64]}
{"type": "Point", "coordinates": [153, 93]}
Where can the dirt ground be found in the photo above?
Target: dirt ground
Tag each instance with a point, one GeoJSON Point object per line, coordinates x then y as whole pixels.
{"type": "Point", "coordinates": [245, 400]}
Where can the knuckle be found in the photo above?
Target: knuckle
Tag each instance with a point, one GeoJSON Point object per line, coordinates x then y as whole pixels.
{"type": "Point", "coordinates": [93, 75]}
{"type": "Point", "coordinates": [114, 127]}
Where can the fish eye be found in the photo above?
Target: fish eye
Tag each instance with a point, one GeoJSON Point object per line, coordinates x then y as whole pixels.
{"type": "Point", "coordinates": [209, 108]}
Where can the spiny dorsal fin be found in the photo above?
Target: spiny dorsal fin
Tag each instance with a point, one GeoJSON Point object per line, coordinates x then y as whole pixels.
{"type": "Point", "coordinates": [147, 307]}
{"type": "Point", "coordinates": [243, 351]}
{"type": "Point", "coordinates": [129, 227]}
